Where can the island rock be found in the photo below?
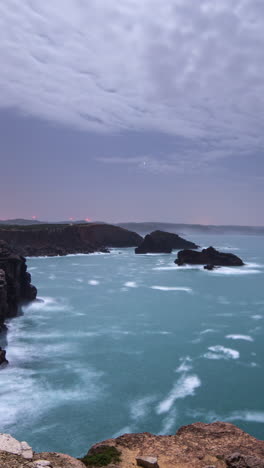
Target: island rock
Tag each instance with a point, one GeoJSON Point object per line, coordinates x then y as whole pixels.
{"type": "Point", "coordinates": [163, 242]}
{"type": "Point", "coordinates": [209, 257]}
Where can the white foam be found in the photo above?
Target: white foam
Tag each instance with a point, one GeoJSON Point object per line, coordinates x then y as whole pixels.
{"type": "Point", "coordinates": [52, 277]}
{"type": "Point", "coordinates": [220, 352]}
{"type": "Point", "coordinates": [172, 288]}
{"type": "Point", "coordinates": [234, 271]}
{"type": "Point", "coordinates": [124, 430]}
{"type": "Point", "coordinates": [131, 284]}
{"type": "Point", "coordinates": [140, 408]}
{"type": "Point", "coordinates": [240, 337]}
{"type": "Point", "coordinates": [47, 304]}
{"type": "Point", "coordinates": [208, 330]}
{"type": "Point", "coordinates": [93, 282]}
{"type": "Point", "coordinates": [184, 387]}
{"type": "Point", "coordinates": [256, 317]}
{"type": "Point", "coordinates": [168, 423]}
{"type": "Point", "coordinates": [250, 416]}
{"type": "Point", "coordinates": [185, 365]}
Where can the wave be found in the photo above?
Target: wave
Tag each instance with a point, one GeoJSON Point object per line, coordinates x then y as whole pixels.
{"type": "Point", "coordinates": [240, 337]}
{"type": "Point", "coordinates": [93, 282]}
{"type": "Point", "coordinates": [220, 352]}
{"type": "Point", "coordinates": [183, 388]}
{"type": "Point", "coordinates": [131, 284]}
{"type": "Point", "coordinates": [172, 288]}
{"type": "Point", "coordinates": [256, 317]}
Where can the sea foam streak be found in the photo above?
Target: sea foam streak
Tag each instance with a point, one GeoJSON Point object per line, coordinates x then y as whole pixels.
{"type": "Point", "coordinates": [184, 387]}
{"type": "Point", "coordinates": [220, 352]}
{"type": "Point", "coordinates": [172, 288]}
{"type": "Point", "coordinates": [240, 337]}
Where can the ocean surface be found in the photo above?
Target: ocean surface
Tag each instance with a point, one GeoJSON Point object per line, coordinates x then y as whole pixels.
{"type": "Point", "coordinates": [130, 343]}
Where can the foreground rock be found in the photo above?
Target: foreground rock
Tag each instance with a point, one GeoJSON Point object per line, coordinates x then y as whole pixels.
{"type": "Point", "coordinates": [163, 242]}
{"type": "Point", "coordinates": [218, 445]}
{"type": "Point", "coordinates": [209, 257]}
{"type": "Point", "coordinates": [199, 445]}
{"type": "Point", "coordinates": [59, 239]}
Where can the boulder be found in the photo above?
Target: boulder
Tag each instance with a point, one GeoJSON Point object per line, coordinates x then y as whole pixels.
{"type": "Point", "coordinates": [163, 242]}
{"type": "Point", "coordinates": [11, 445]}
{"type": "Point", "coordinates": [209, 257]}
{"type": "Point", "coordinates": [147, 462]}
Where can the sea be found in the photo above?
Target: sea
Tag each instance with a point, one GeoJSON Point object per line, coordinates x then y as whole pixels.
{"type": "Point", "coordinates": [119, 343]}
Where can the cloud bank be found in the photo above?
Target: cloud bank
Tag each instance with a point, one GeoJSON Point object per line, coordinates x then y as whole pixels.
{"type": "Point", "coordinates": [192, 69]}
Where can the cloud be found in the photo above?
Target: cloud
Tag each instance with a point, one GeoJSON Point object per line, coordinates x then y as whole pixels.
{"type": "Point", "coordinates": [187, 68]}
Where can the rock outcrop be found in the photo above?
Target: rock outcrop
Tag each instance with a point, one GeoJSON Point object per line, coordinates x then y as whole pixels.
{"type": "Point", "coordinates": [163, 242]}
{"type": "Point", "coordinates": [58, 239]}
{"type": "Point", "coordinates": [209, 257]}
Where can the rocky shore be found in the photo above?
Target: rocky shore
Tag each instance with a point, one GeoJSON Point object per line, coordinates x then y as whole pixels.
{"type": "Point", "coordinates": [199, 445]}
{"type": "Point", "coordinates": [15, 287]}
{"type": "Point", "coordinates": [60, 239]}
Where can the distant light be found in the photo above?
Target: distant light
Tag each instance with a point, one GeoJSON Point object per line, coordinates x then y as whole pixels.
{"type": "Point", "coordinates": [33, 217]}
{"type": "Point", "coordinates": [71, 219]}
{"type": "Point", "coordinates": [87, 220]}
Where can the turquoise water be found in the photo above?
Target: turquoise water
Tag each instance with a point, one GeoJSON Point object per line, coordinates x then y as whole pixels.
{"type": "Point", "coordinates": [128, 343]}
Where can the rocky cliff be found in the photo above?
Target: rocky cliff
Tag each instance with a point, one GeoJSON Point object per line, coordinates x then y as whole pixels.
{"type": "Point", "coordinates": [217, 445]}
{"type": "Point", "coordinates": [56, 239]}
{"type": "Point", "coordinates": [15, 286]}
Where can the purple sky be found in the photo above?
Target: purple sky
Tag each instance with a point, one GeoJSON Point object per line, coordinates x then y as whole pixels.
{"type": "Point", "coordinates": [132, 110]}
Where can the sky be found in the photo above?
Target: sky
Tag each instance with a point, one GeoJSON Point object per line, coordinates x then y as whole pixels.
{"type": "Point", "coordinates": [132, 110]}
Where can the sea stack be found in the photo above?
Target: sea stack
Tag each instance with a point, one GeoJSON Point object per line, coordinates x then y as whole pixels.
{"type": "Point", "coordinates": [163, 242]}
{"type": "Point", "coordinates": [209, 257]}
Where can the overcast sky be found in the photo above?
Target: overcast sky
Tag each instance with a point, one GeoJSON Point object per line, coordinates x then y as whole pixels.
{"type": "Point", "coordinates": [132, 110]}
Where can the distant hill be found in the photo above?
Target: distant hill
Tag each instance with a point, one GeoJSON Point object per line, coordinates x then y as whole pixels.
{"type": "Point", "coordinates": [147, 227]}
{"type": "Point", "coordinates": [179, 228]}
{"type": "Point", "coordinates": [30, 222]}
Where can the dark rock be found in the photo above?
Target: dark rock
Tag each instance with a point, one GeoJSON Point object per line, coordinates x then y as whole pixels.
{"type": "Point", "coordinates": [163, 242]}
{"type": "Point", "coordinates": [57, 240]}
{"type": "Point", "coordinates": [237, 460]}
{"type": "Point", "coordinates": [209, 257]}
{"type": "Point", "coordinates": [3, 360]}
{"type": "Point", "coordinates": [209, 267]}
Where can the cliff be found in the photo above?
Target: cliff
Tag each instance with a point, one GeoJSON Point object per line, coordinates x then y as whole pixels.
{"type": "Point", "coordinates": [216, 445]}
{"type": "Point", "coordinates": [57, 239]}
{"type": "Point", "coordinates": [15, 286]}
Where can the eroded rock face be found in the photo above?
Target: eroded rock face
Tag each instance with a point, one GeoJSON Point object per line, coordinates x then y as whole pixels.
{"type": "Point", "coordinates": [163, 242]}
{"type": "Point", "coordinates": [209, 257]}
